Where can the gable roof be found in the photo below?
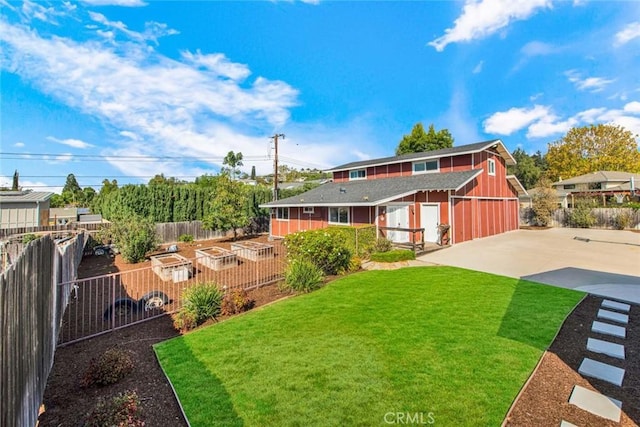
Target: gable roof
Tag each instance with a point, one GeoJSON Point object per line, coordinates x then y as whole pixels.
{"type": "Point", "coordinates": [374, 192]}
{"type": "Point", "coordinates": [435, 154]}
{"type": "Point", "coordinates": [24, 196]}
{"type": "Point", "coordinates": [600, 176]}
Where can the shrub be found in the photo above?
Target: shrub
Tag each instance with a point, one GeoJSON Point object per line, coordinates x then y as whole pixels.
{"type": "Point", "coordinates": [184, 320]}
{"type": "Point", "coordinates": [134, 237]}
{"type": "Point", "coordinates": [303, 276]}
{"type": "Point", "coordinates": [622, 220]}
{"type": "Point", "coordinates": [393, 256]}
{"type": "Point", "coordinates": [545, 202]}
{"type": "Point", "coordinates": [202, 300]}
{"type": "Point", "coordinates": [581, 216]}
{"type": "Point", "coordinates": [112, 366]}
{"type": "Point", "coordinates": [186, 238]}
{"type": "Point", "coordinates": [122, 410]}
{"type": "Point", "coordinates": [29, 238]}
{"type": "Point", "coordinates": [325, 250]}
{"type": "Point", "coordinates": [355, 263]}
{"type": "Point", "coordinates": [382, 245]}
{"type": "Point", "coordinates": [236, 301]}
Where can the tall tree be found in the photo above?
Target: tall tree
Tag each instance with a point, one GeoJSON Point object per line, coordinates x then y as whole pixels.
{"type": "Point", "coordinates": [71, 184]}
{"type": "Point", "coordinates": [71, 192]}
{"type": "Point", "coordinates": [228, 207]}
{"type": "Point", "coordinates": [593, 148]}
{"type": "Point", "coordinates": [233, 160]}
{"type": "Point", "coordinates": [526, 170]}
{"type": "Point", "coordinates": [419, 140]}
{"type": "Point", "coordinates": [253, 173]}
{"type": "Point", "coordinates": [15, 185]}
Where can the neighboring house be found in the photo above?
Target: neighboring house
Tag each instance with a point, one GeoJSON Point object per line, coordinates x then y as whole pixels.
{"type": "Point", "coordinates": [465, 187]}
{"type": "Point", "coordinates": [24, 208]}
{"type": "Point", "coordinates": [609, 186]}
{"type": "Point", "coordinates": [63, 216]}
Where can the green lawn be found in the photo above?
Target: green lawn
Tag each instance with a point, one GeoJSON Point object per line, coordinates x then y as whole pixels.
{"type": "Point", "coordinates": [449, 345]}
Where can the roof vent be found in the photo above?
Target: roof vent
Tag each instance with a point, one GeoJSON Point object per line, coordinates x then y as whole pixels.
{"type": "Point", "coordinates": [343, 190]}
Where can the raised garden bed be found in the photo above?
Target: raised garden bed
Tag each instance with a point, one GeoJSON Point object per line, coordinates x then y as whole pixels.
{"type": "Point", "coordinates": [172, 267]}
{"type": "Point", "coordinates": [252, 251]}
{"type": "Point", "coordinates": [216, 258]}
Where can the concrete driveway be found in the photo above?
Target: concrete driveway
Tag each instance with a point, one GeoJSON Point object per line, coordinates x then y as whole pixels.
{"type": "Point", "coordinates": [602, 262]}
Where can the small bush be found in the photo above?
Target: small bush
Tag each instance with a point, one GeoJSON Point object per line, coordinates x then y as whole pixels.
{"type": "Point", "coordinates": [184, 320]}
{"type": "Point", "coordinates": [355, 264]}
{"type": "Point", "coordinates": [122, 410]}
{"type": "Point", "coordinates": [581, 216]}
{"type": "Point", "coordinates": [112, 366]}
{"type": "Point", "coordinates": [393, 256]}
{"type": "Point", "coordinates": [202, 300]}
{"type": "Point", "coordinates": [622, 220]}
{"type": "Point", "coordinates": [303, 276]}
{"type": "Point", "coordinates": [134, 237]}
{"type": "Point", "coordinates": [186, 238]}
{"type": "Point", "coordinates": [236, 301]}
{"type": "Point", "coordinates": [28, 238]}
{"type": "Point", "coordinates": [382, 245]}
{"type": "Point", "coordinates": [325, 250]}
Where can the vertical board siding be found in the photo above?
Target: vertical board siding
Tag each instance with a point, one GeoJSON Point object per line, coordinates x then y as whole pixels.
{"type": "Point", "coordinates": [30, 315]}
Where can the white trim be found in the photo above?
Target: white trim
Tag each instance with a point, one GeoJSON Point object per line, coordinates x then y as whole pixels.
{"type": "Point", "coordinates": [490, 163]}
{"type": "Point", "coordinates": [417, 159]}
{"type": "Point", "coordinates": [278, 213]}
{"type": "Point", "coordinates": [357, 178]}
{"type": "Point", "coordinates": [308, 210]}
{"type": "Point", "coordinates": [414, 163]}
{"type": "Point", "coordinates": [348, 208]}
{"type": "Point", "coordinates": [451, 225]}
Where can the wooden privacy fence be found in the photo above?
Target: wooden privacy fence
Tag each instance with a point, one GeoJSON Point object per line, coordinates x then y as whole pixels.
{"type": "Point", "coordinates": [170, 232]}
{"type": "Point", "coordinates": [6, 232]}
{"type": "Point", "coordinates": [603, 217]}
{"type": "Point", "coordinates": [31, 308]}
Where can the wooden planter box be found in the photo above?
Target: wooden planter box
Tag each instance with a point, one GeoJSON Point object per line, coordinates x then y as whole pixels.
{"type": "Point", "coordinates": [172, 267]}
{"type": "Point", "coordinates": [216, 258]}
{"type": "Point", "coordinates": [252, 251]}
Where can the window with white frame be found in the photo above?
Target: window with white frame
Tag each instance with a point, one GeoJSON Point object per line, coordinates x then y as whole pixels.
{"type": "Point", "coordinates": [282, 213]}
{"type": "Point", "coordinates": [308, 210]}
{"type": "Point", "coordinates": [426, 166]}
{"type": "Point", "coordinates": [357, 174]}
{"type": "Point", "coordinates": [339, 215]}
{"type": "Point", "coordinates": [491, 164]}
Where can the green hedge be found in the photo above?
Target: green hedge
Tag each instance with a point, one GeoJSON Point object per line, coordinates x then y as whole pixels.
{"type": "Point", "coordinates": [393, 256]}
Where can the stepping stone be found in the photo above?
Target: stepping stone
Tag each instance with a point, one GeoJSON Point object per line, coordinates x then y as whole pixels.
{"type": "Point", "coordinates": [564, 423]}
{"type": "Point", "coordinates": [607, 329]}
{"type": "Point", "coordinates": [606, 347]}
{"type": "Point", "coordinates": [616, 305]}
{"type": "Point", "coordinates": [612, 315]}
{"type": "Point", "coordinates": [602, 371]}
{"type": "Point", "coordinates": [596, 403]}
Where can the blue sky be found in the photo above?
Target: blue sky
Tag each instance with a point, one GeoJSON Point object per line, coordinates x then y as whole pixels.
{"type": "Point", "coordinates": [127, 89]}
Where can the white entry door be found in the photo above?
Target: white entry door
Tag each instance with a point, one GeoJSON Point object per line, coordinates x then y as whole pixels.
{"type": "Point", "coordinates": [398, 216]}
{"type": "Point", "coordinates": [429, 220]}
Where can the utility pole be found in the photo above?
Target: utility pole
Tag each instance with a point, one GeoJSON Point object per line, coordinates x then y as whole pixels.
{"type": "Point", "coordinates": [275, 165]}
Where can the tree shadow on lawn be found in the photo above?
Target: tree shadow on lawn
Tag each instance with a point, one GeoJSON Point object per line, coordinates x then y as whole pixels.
{"type": "Point", "coordinates": [202, 395]}
{"type": "Point", "coordinates": [536, 312]}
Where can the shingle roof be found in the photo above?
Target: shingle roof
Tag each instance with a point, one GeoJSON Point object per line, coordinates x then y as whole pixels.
{"type": "Point", "coordinates": [24, 196]}
{"type": "Point", "coordinates": [470, 148]}
{"type": "Point", "coordinates": [371, 192]}
{"type": "Point", "coordinates": [600, 176]}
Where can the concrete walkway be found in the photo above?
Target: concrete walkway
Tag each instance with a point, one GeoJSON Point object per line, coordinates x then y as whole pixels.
{"type": "Point", "coordinates": [602, 262]}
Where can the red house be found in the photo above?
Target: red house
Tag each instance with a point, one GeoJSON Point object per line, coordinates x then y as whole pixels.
{"type": "Point", "coordinates": [465, 187]}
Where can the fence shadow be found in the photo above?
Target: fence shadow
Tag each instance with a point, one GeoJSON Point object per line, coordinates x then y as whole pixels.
{"type": "Point", "coordinates": [196, 386]}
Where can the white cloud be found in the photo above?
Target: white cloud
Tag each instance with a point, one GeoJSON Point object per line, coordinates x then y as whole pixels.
{"type": "Point", "coordinates": [478, 68]}
{"type": "Point", "coordinates": [540, 122]}
{"type": "Point", "coordinates": [458, 120]}
{"type": "Point", "coordinates": [61, 158]}
{"type": "Point", "coordinates": [204, 105]}
{"type": "Point", "coordinates": [628, 33]}
{"type": "Point", "coordinates": [153, 30]}
{"type": "Point", "coordinates": [481, 18]}
{"type": "Point", "coordinates": [537, 48]}
{"type": "Point", "coordinates": [592, 84]}
{"type": "Point", "coordinates": [7, 181]}
{"type": "Point", "coordinates": [515, 119]}
{"type": "Point", "coordinates": [75, 143]}
{"type": "Point", "coordinates": [126, 3]}
{"type": "Point", "coordinates": [19, 144]}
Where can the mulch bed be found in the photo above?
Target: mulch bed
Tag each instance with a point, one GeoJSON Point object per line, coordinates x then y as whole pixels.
{"type": "Point", "coordinates": [545, 399]}
{"type": "Point", "coordinates": [66, 403]}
